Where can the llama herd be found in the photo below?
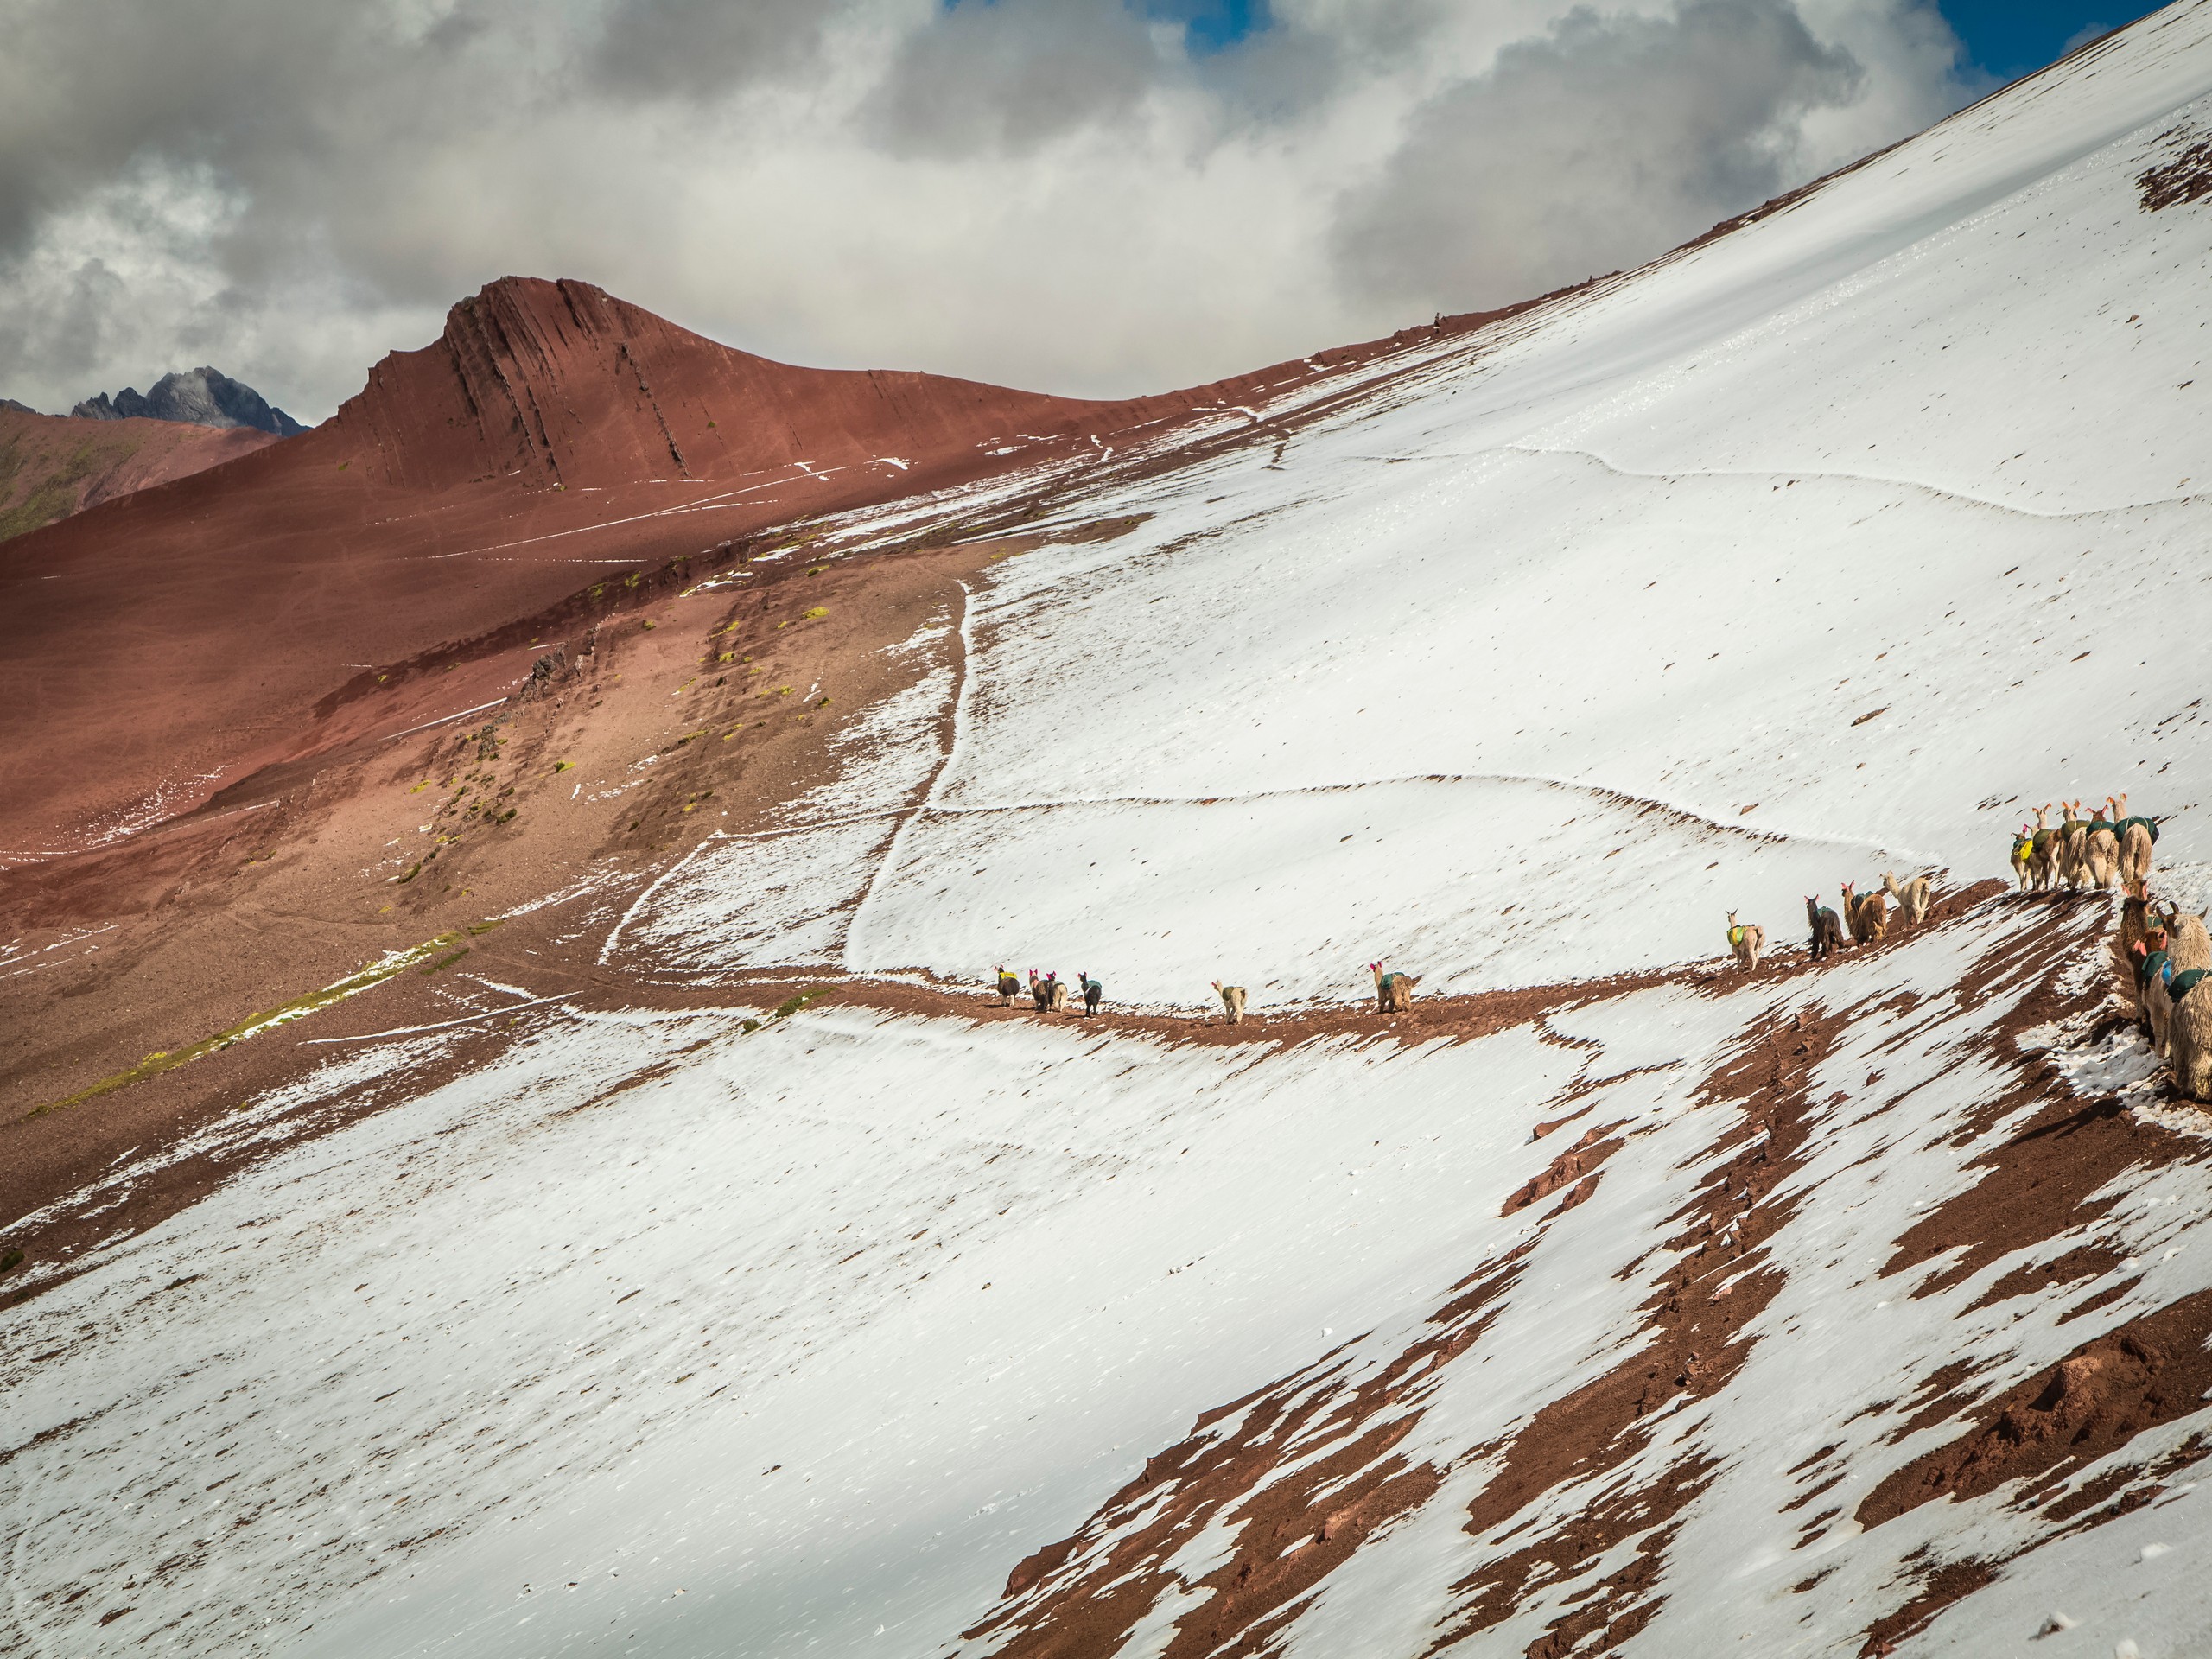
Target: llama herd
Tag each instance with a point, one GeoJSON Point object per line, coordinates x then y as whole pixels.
{"type": "Point", "coordinates": [1052, 992]}
{"type": "Point", "coordinates": [2164, 956]}
{"type": "Point", "coordinates": [1394, 993]}
{"type": "Point", "coordinates": [2097, 851]}
{"type": "Point", "coordinates": [1866, 918]}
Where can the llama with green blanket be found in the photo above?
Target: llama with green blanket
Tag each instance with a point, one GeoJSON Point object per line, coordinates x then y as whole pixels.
{"type": "Point", "coordinates": [1394, 993]}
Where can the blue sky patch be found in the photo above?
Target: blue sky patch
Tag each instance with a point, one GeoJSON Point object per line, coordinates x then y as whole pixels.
{"type": "Point", "coordinates": [1212, 26]}
{"type": "Point", "coordinates": [2012, 38]}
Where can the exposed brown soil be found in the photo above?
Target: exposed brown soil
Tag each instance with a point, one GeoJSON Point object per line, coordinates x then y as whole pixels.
{"type": "Point", "coordinates": [1083, 1594]}
{"type": "Point", "coordinates": [1693, 1347]}
{"type": "Point", "coordinates": [2037, 1182]}
{"type": "Point", "coordinates": [52, 465]}
{"type": "Point", "coordinates": [2186, 177]}
{"type": "Point", "coordinates": [1576, 1164]}
{"type": "Point", "coordinates": [2148, 1371]}
{"type": "Point", "coordinates": [2083, 1262]}
{"type": "Point", "coordinates": [1939, 1587]}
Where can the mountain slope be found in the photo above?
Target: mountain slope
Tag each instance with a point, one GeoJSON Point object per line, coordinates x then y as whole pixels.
{"type": "Point", "coordinates": [552, 440]}
{"type": "Point", "coordinates": [51, 466]}
{"type": "Point", "coordinates": [684, 1254]}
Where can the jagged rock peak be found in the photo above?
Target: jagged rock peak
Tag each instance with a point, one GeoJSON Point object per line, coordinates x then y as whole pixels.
{"type": "Point", "coordinates": [204, 396]}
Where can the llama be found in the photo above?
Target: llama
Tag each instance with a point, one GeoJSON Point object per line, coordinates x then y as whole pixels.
{"type": "Point", "coordinates": [2022, 855]}
{"type": "Point", "coordinates": [2189, 1038]}
{"type": "Point", "coordinates": [1874, 914]}
{"type": "Point", "coordinates": [2136, 925]}
{"type": "Point", "coordinates": [1040, 990]}
{"type": "Point", "coordinates": [1056, 994]}
{"type": "Point", "coordinates": [1827, 932]}
{"type": "Point", "coordinates": [1093, 993]}
{"type": "Point", "coordinates": [2102, 856]}
{"type": "Point", "coordinates": [2073, 845]}
{"type": "Point", "coordinates": [2042, 858]}
{"type": "Point", "coordinates": [2154, 974]}
{"type": "Point", "coordinates": [1748, 941]}
{"type": "Point", "coordinates": [1867, 915]}
{"type": "Point", "coordinates": [1911, 898]}
{"type": "Point", "coordinates": [2135, 843]}
{"type": "Point", "coordinates": [1009, 987]}
{"type": "Point", "coordinates": [2189, 942]}
{"type": "Point", "coordinates": [1232, 1001]}
{"type": "Point", "coordinates": [2137, 836]}
{"type": "Point", "coordinates": [1394, 993]}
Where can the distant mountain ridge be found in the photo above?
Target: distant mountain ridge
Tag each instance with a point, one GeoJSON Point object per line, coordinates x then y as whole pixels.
{"type": "Point", "coordinates": [202, 396]}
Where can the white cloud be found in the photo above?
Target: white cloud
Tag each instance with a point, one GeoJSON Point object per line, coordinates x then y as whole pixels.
{"type": "Point", "coordinates": [1048, 192]}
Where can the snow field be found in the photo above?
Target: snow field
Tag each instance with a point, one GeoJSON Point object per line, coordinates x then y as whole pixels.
{"type": "Point", "coordinates": [488, 1383]}
{"type": "Point", "coordinates": [658, 1335]}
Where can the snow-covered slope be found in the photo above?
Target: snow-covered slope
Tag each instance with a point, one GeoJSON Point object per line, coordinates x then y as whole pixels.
{"type": "Point", "coordinates": [1848, 1306]}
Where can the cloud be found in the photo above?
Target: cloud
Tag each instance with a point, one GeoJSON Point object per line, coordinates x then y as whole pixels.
{"type": "Point", "coordinates": [1590, 147]}
{"type": "Point", "coordinates": [1009, 76]}
{"type": "Point", "coordinates": [703, 49]}
{"type": "Point", "coordinates": [1093, 196]}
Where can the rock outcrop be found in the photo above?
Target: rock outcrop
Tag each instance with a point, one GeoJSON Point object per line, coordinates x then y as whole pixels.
{"type": "Point", "coordinates": [204, 396]}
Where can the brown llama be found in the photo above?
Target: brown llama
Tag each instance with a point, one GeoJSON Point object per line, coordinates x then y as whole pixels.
{"type": "Point", "coordinates": [2135, 852]}
{"type": "Point", "coordinates": [1867, 915]}
{"type": "Point", "coordinates": [2102, 856]}
{"type": "Point", "coordinates": [1827, 932]}
{"type": "Point", "coordinates": [2136, 925]}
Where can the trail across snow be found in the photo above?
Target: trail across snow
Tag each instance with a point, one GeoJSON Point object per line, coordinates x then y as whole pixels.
{"type": "Point", "coordinates": [1832, 546]}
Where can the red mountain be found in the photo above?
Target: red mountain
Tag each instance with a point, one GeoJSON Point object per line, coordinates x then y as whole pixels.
{"type": "Point", "coordinates": [159, 649]}
{"type": "Point", "coordinates": [174, 641]}
{"type": "Point", "coordinates": [558, 383]}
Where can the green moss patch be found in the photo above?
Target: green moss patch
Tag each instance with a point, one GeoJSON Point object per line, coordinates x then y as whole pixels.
{"type": "Point", "coordinates": [298, 1008]}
